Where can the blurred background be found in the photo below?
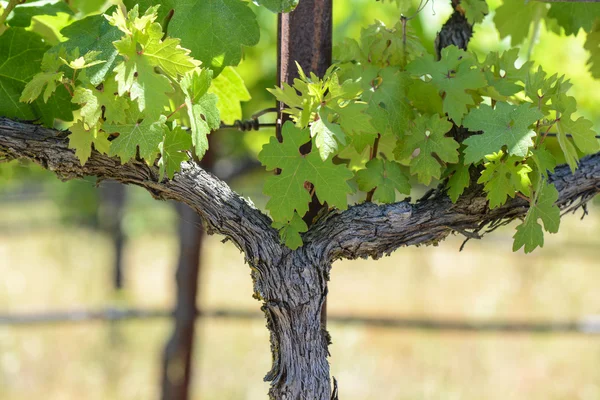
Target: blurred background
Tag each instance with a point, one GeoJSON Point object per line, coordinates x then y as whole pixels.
{"type": "Point", "coordinates": [61, 242]}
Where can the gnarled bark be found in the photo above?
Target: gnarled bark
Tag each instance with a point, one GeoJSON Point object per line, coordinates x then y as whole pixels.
{"type": "Point", "coordinates": [293, 284]}
{"type": "Point", "coordinates": [294, 291]}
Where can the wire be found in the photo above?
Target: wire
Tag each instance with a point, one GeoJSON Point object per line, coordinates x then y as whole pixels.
{"type": "Point", "coordinates": [568, 135]}
{"type": "Point", "coordinates": [252, 124]}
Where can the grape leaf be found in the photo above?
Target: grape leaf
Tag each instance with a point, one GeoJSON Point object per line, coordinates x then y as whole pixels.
{"type": "Point", "coordinates": [326, 134]}
{"type": "Point", "coordinates": [34, 87]}
{"type": "Point", "coordinates": [426, 145]}
{"type": "Point", "coordinates": [146, 135]}
{"type": "Point", "coordinates": [529, 233]}
{"type": "Point", "coordinates": [114, 105]}
{"type": "Point", "coordinates": [592, 44]}
{"type": "Point", "coordinates": [204, 118]}
{"type": "Point", "coordinates": [541, 89]}
{"type": "Point", "coordinates": [287, 95]}
{"type": "Point", "coordinates": [425, 97]}
{"type": "Point", "coordinates": [90, 108]}
{"type": "Point", "coordinates": [278, 6]}
{"type": "Point", "coordinates": [502, 74]}
{"type": "Point", "coordinates": [289, 232]}
{"type": "Point", "coordinates": [475, 10]}
{"type": "Point", "coordinates": [505, 125]}
{"type": "Point", "coordinates": [88, 6]}
{"type": "Point", "coordinates": [86, 61]}
{"type": "Point", "coordinates": [453, 75]}
{"type": "Point", "coordinates": [81, 139]}
{"type": "Point", "coordinates": [22, 13]}
{"type": "Point", "coordinates": [167, 54]}
{"type": "Point", "coordinates": [388, 105]}
{"type": "Point", "coordinates": [145, 85]}
{"type": "Point", "coordinates": [459, 180]}
{"type": "Point", "coordinates": [385, 47]}
{"type": "Point", "coordinates": [214, 30]}
{"type": "Point", "coordinates": [231, 91]}
{"type": "Point", "coordinates": [514, 17]}
{"type": "Point", "coordinates": [573, 16]}
{"type": "Point", "coordinates": [21, 55]}
{"type": "Point", "coordinates": [196, 83]}
{"type": "Point", "coordinates": [354, 120]}
{"type": "Point", "coordinates": [137, 73]}
{"type": "Point", "coordinates": [582, 134]}
{"type": "Point", "coordinates": [385, 177]}
{"type": "Point", "coordinates": [93, 33]}
{"type": "Point", "coordinates": [580, 130]}
{"type": "Point", "coordinates": [287, 190]}
{"type": "Point", "coordinates": [173, 151]}
{"type": "Point", "coordinates": [544, 160]}
{"type": "Point", "coordinates": [503, 177]}
{"type": "Point", "coordinates": [201, 108]}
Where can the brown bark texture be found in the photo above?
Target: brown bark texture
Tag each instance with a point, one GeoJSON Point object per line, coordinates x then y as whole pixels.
{"type": "Point", "coordinates": [302, 371]}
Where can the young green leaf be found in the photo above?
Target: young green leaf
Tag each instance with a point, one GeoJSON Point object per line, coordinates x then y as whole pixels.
{"type": "Point", "coordinates": [426, 146]}
{"type": "Point", "coordinates": [204, 118]}
{"type": "Point", "coordinates": [514, 17]}
{"type": "Point", "coordinates": [114, 105]}
{"type": "Point", "coordinates": [542, 90]}
{"type": "Point", "coordinates": [326, 134]}
{"type": "Point", "coordinates": [453, 75]}
{"type": "Point", "coordinates": [505, 125]}
{"type": "Point", "coordinates": [475, 10]}
{"type": "Point", "coordinates": [504, 177]}
{"type": "Point", "coordinates": [385, 177]}
{"type": "Point", "coordinates": [90, 108]}
{"type": "Point", "coordinates": [231, 91]}
{"type": "Point", "coordinates": [22, 14]}
{"type": "Point", "coordinates": [133, 134]}
{"type": "Point", "coordinates": [93, 33]}
{"type": "Point", "coordinates": [216, 33]}
{"type": "Point", "coordinates": [81, 139]}
{"type": "Point", "coordinates": [21, 54]}
{"type": "Point", "coordinates": [459, 179]}
{"type": "Point", "coordinates": [501, 73]}
{"type": "Point", "coordinates": [173, 151]}
{"type": "Point", "coordinates": [33, 89]}
{"type": "Point", "coordinates": [287, 190]}
{"type": "Point", "coordinates": [529, 233]}
{"type": "Point", "coordinates": [389, 106]}
{"type": "Point", "coordinates": [354, 120]}
{"type": "Point", "coordinates": [289, 232]}
{"type": "Point", "coordinates": [592, 44]}
{"type": "Point", "coordinates": [544, 160]}
{"type": "Point", "coordinates": [573, 16]}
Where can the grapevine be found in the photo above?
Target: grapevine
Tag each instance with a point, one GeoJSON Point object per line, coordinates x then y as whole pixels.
{"type": "Point", "coordinates": [386, 116]}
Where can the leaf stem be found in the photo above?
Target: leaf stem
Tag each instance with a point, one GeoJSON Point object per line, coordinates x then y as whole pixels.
{"type": "Point", "coordinates": [374, 150]}
{"type": "Point", "coordinates": [68, 89]}
{"type": "Point", "coordinates": [11, 5]}
{"type": "Point", "coordinates": [548, 130]}
{"type": "Point", "coordinates": [177, 109]}
{"type": "Point", "coordinates": [519, 194]}
{"type": "Point", "coordinates": [537, 18]}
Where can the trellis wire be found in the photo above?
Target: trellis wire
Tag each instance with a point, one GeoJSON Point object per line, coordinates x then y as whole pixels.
{"type": "Point", "coordinates": [589, 325]}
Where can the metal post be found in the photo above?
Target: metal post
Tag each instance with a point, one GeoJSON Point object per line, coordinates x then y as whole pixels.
{"type": "Point", "coordinates": [304, 36]}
